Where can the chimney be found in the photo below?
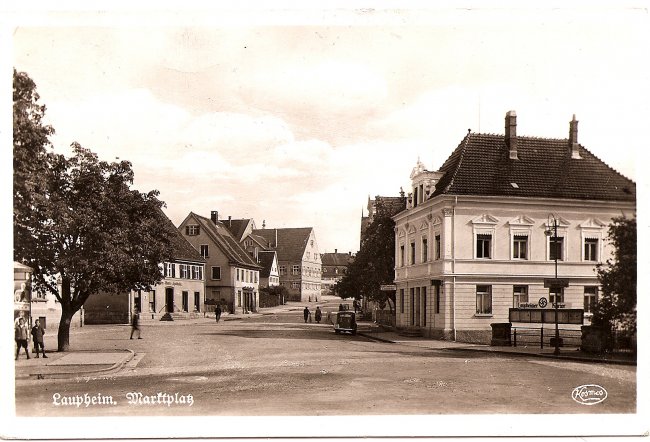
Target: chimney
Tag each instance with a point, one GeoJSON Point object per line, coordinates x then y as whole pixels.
{"type": "Point", "coordinates": [511, 134]}
{"type": "Point", "coordinates": [229, 221]}
{"type": "Point", "coordinates": [214, 216]}
{"type": "Point", "coordinates": [263, 224]}
{"type": "Point", "coordinates": [573, 138]}
{"type": "Point", "coordinates": [336, 250]}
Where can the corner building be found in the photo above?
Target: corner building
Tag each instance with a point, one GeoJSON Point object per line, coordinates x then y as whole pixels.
{"type": "Point", "coordinates": [474, 239]}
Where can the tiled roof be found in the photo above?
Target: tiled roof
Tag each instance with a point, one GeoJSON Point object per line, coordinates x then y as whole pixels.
{"type": "Point", "coordinates": [237, 227]}
{"type": "Point", "coordinates": [336, 259]}
{"type": "Point", "coordinates": [224, 239]}
{"type": "Point", "coordinates": [291, 241]}
{"type": "Point", "coordinates": [480, 165]}
{"type": "Point", "coordinates": [182, 249]}
{"type": "Point", "coordinates": [266, 261]}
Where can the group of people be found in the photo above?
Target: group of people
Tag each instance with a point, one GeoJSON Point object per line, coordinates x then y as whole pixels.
{"type": "Point", "coordinates": [318, 315]}
{"type": "Point", "coordinates": [22, 336]}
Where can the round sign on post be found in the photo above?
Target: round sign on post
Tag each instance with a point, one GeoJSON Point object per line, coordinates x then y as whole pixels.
{"type": "Point", "coordinates": [543, 302]}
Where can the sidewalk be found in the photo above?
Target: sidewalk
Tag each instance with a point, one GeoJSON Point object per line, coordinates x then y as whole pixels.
{"type": "Point", "coordinates": [566, 353]}
{"type": "Point", "coordinates": [72, 364]}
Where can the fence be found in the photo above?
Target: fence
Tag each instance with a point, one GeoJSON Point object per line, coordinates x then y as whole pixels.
{"type": "Point", "coordinates": [545, 337]}
{"type": "Point", "coordinates": [385, 317]}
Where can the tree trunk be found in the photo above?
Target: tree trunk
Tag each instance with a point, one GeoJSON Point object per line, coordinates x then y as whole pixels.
{"type": "Point", "coordinates": [63, 337]}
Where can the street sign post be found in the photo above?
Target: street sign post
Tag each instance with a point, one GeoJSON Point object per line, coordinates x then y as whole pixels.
{"type": "Point", "coordinates": [388, 287]}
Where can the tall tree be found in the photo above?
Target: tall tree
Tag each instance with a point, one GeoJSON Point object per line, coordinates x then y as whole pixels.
{"type": "Point", "coordinates": [374, 264]}
{"type": "Point", "coordinates": [617, 306]}
{"type": "Point", "coordinates": [86, 231]}
{"type": "Point", "coordinates": [31, 141]}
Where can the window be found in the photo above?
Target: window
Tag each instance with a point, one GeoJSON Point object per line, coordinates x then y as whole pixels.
{"type": "Point", "coordinates": [308, 255]}
{"type": "Point", "coordinates": [283, 270]}
{"type": "Point", "coordinates": [412, 253]}
{"type": "Point", "coordinates": [556, 295]}
{"type": "Point", "coordinates": [483, 300]}
{"type": "Point", "coordinates": [238, 298]}
{"type": "Point", "coordinates": [170, 270]}
{"type": "Point", "coordinates": [204, 250]}
{"type": "Point", "coordinates": [216, 272]}
{"type": "Point", "coordinates": [425, 249]}
{"type": "Point", "coordinates": [436, 308]}
{"type": "Point", "coordinates": [520, 247]}
{"type": "Point", "coordinates": [152, 301]}
{"type": "Point", "coordinates": [401, 255]}
{"type": "Point", "coordinates": [591, 297]}
{"type": "Point", "coordinates": [591, 248]}
{"type": "Point", "coordinates": [197, 272]}
{"type": "Point", "coordinates": [401, 300]}
{"type": "Point", "coordinates": [519, 295]}
{"type": "Point", "coordinates": [483, 245]}
{"type": "Point", "coordinates": [237, 274]}
{"type": "Point", "coordinates": [556, 245]}
{"type": "Point", "coordinates": [295, 270]}
{"type": "Point", "coordinates": [192, 230]}
{"type": "Point", "coordinates": [184, 274]}
{"type": "Point", "coordinates": [437, 239]}
{"type": "Point", "coordinates": [295, 285]}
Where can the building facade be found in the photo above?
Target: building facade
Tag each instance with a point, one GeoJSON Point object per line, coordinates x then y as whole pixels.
{"type": "Point", "coordinates": [299, 262]}
{"type": "Point", "coordinates": [478, 236]}
{"type": "Point", "coordinates": [232, 275]}
{"type": "Point", "coordinates": [180, 294]}
{"type": "Point", "coordinates": [334, 267]}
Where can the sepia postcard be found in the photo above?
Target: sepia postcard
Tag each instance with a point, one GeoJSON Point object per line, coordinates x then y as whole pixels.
{"type": "Point", "coordinates": [346, 220]}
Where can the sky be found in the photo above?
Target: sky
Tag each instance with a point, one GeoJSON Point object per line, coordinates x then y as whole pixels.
{"type": "Point", "coordinates": [294, 118]}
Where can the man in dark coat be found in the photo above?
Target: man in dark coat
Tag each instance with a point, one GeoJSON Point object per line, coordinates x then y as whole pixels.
{"type": "Point", "coordinates": [21, 334]}
{"type": "Point", "coordinates": [305, 313]}
{"type": "Point", "coordinates": [217, 312]}
{"type": "Point", "coordinates": [37, 337]}
{"type": "Point", "coordinates": [318, 315]}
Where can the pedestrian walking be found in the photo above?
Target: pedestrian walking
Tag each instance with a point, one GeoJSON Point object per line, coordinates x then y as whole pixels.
{"type": "Point", "coordinates": [37, 337]}
{"type": "Point", "coordinates": [135, 324]}
{"type": "Point", "coordinates": [305, 314]}
{"type": "Point", "coordinates": [340, 307]}
{"type": "Point", "coordinates": [21, 334]}
{"type": "Point", "coordinates": [355, 304]}
{"type": "Point", "coordinates": [217, 313]}
{"type": "Point", "coordinates": [318, 315]}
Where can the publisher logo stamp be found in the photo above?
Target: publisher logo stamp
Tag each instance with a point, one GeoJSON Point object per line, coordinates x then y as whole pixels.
{"type": "Point", "coordinates": [590, 394]}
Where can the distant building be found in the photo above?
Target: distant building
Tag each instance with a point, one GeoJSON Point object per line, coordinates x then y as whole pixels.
{"type": "Point", "coordinates": [269, 275]}
{"type": "Point", "coordinates": [299, 263]}
{"type": "Point", "coordinates": [477, 237]}
{"type": "Point", "coordinates": [335, 266]}
{"type": "Point", "coordinates": [232, 274]}
{"type": "Point", "coordinates": [391, 204]}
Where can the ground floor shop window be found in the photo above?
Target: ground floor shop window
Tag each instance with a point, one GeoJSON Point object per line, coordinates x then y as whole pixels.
{"type": "Point", "coordinates": [519, 295]}
{"type": "Point", "coordinates": [483, 300]}
{"type": "Point", "coordinates": [401, 300]}
{"type": "Point", "coordinates": [436, 309]}
{"type": "Point", "coordinates": [556, 295]}
{"type": "Point", "coordinates": [239, 298]}
{"type": "Point", "coordinates": [591, 297]}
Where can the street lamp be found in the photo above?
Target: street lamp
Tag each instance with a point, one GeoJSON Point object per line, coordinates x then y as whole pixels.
{"type": "Point", "coordinates": [552, 219]}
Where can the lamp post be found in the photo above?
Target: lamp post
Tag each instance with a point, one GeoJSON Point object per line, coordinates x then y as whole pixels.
{"type": "Point", "coordinates": [552, 218]}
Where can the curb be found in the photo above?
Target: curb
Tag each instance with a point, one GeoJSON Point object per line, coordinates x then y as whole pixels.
{"type": "Point", "coordinates": [65, 375]}
{"type": "Point", "coordinates": [519, 354]}
{"type": "Point", "coordinates": [547, 356]}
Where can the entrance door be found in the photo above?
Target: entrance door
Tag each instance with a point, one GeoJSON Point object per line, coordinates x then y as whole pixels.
{"type": "Point", "coordinates": [185, 301]}
{"type": "Point", "coordinates": [417, 307]}
{"type": "Point", "coordinates": [169, 300]}
{"type": "Point", "coordinates": [197, 301]}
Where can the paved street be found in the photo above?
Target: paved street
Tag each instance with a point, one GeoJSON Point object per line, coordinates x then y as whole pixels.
{"type": "Point", "coordinates": [278, 365]}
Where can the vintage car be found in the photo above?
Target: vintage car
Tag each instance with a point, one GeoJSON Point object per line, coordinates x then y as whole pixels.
{"type": "Point", "coordinates": [346, 322]}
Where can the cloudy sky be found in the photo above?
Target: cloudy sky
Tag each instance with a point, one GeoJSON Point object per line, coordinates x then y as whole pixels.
{"type": "Point", "coordinates": [296, 117]}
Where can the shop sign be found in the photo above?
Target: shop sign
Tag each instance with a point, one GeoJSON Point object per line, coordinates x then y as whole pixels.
{"type": "Point", "coordinates": [387, 287]}
{"type": "Point", "coordinates": [527, 305]}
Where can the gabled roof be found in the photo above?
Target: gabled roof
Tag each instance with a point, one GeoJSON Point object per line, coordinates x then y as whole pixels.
{"type": "Point", "coordinates": [222, 237]}
{"type": "Point", "coordinates": [237, 227]}
{"type": "Point", "coordinates": [480, 165]}
{"type": "Point", "coordinates": [182, 249]}
{"type": "Point", "coordinates": [336, 259]}
{"type": "Point", "coordinates": [266, 261]}
{"type": "Point", "coordinates": [291, 242]}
